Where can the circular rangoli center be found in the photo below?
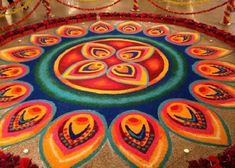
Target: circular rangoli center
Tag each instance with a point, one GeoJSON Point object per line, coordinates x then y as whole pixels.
{"type": "Point", "coordinates": [111, 66]}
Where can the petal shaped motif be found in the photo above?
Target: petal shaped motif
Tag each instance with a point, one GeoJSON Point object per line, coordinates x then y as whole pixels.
{"type": "Point", "coordinates": [86, 69]}
{"type": "Point", "coordinates": [183, 38]}
{"type": "Point", "coordinates": [135, 53]}
{"type": "Point", "coordinates": [12, 71]}
{"type": "Point", "coordinates": [21, 53]}
{"type": "Point", "coordinates": [25, 121]}
{"type": "Point", "coordinates": [140, 139]}
{"type": "Point", "coordinates": [207, 52]}
{"type": "Point", "coordinates": [101, 27]}
{"type": "Point", "coordinates": [157, 31]}
{"type": "Point", "coordinates": [130, 27]}
{"type": "Point", "coordinates": [195, 122]}
{"type": "Point", "coordinates": [133, 74]}
{"type": "Point", "coordinates": [70, 31]}
{"type": "Point", "coordinates": [44, 40]}
{"type": "Point", "coordinates": [73, 139]}
{"type": "Point", "coordinates": [12, 93]}
{"type": "Point", "coordinates": [217, 70]}
{"type": "Point", "coordinates": [214, 93]}
{"type": "Point", "coordinates": [97, 51]}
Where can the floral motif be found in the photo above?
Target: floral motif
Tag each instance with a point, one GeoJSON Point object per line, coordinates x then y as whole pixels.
{"type": "Point", "coordinates": [100, 69]}
{"type": "Point", "coordinates": [12, 71]}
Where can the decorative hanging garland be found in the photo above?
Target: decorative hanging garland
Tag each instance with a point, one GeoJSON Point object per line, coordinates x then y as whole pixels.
{"type": "Point", "coordinates": [47, 5]}
{"type": "Point", "coordinates": [181, 3]}
{"type": "Point", "coordinates": [186, 13]}
{"type": "Point", "coordinates": [89, 9]}
{"type": "Point", "coordinates": [24, 5]}
{"type": "Point", "coordinates": [227, 13]}
{"type": "Point", "coordinates": [4, 8]}
{"type": "Point", "coordinates": [23, 19]}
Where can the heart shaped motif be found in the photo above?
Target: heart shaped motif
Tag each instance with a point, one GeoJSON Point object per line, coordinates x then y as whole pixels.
{"type": "Point", "coordinates": [214, 93]}
{"type": "Point", "coordinates": [157, 31]}
{"type": "Point", "coordinates": [44, 40]}
{"type": "Point", "coordinates": [217, 70]}
{"type": "Point", "coordinates": [133, 74]}
{"type": "Point", "coordinates": [12, 93]}
{"type": "Point", "coordinates": [25, 121]}
{"type": "Point", "coordinates": [193, 121]}
{"type": "Point", "coordinates": [129, 27]}
{"type": "Point", "coordinates": [183, 38]}
{"type": "Point", "coordinates": [73, 138]}
{"type": "Point", "coordinates": [135, 54]}
{"type": "Point", "coordinates": [69, 31]}
{"type": "Point", "coordinates": [140, 139]}
{"type": "Point", "coordinates": [207, 52]}
{"type": "Point", "coordinates": [21, 53]}
{"type": "Point", "coordinates": [97, 51]}
{"type": "Point", "coordinates": [86, 69]}
{"type": "Point", "coordinates": [101, 27]}
{"type": "Point", "coordinates": [12, 71]}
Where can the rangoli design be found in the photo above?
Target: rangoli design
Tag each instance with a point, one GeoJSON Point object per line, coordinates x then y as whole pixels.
{"type": "Point", "coordinates": [126, 84]}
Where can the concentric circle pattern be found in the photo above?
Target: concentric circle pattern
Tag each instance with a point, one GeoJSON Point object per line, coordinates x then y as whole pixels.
{"type": "Point", "coordinates": [106, 67]}
{"type": "Point", "coordinates": [128, 84]}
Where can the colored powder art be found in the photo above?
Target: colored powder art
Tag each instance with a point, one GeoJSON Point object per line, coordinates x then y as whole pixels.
{"type": "Point", "coordinates": [127, 84]}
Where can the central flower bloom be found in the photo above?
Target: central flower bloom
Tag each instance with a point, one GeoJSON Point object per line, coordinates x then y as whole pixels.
{"type": "Point", "coordinates": [111, 66]}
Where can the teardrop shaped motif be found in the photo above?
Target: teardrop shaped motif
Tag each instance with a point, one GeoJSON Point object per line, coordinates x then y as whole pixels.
{"type": "Point", "coordinates": [97, 51]}
{"type": "Point", "coordinates": [217, 70]}
{"type": "Point", "coordinates": [25, 121]}
{"type": "Point", "coordinates": [12, 71]}
{"type": "Point", "coordinates": [44, 40]}
{"type": "Point", "coordinates": [207, 52]}
{"type": "Point", "coordinates": [12, 93]}
{"type": "Point", "coordinates": [157, 31]}
{"type": "Point", "coordinates": [130, 27]}
{"type": "Point", "coordinates": [183, 38]}
{"type": "Point", "coordinates": [214, 93]}
{"type": "Point", "coordinates": [101, 27]}
{"type": "Point", "coordinates": [140, 139]}
{"type": "Point", "coordinates": [135, 54]}
{"type": "Point", "coordinates": [195, 122]}
{"type": "Point", "coordinates": [69, 31]}
{"type": "Point", "coordinates": [21, 53]}
{"type": "Point", "coordinates": [132, 74]}
{"type": "Point", "coordinates": [73, 138]}
{"type": "Point", "coordinates": [86, 69]}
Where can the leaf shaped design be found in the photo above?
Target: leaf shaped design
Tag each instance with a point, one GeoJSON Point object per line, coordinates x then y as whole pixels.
{"type": "Point", "coordinates": [195, 122]}
{"type": "Point", "coordinates": [86, 69]}
{"type": "Point", "coordinates": [157, 31]}
{"type": "Point", "coordinates": [183, 38]}
{"type": "Point", "coordinates": [73, 138]}
{"type": "Point", "coordinates": [214, 93]}
{"type": "Point", "coordinates": [140, 139]}
{"type": "Point", "coordinates": [44, 40]}
{"type": "Point", "coordinates": [133, 74]}
{"type": "Point", "coordinates": [70, 31]}
{"type": "Point", "coordinates": [135, 53]}
{"type": "Point", "coordinates": [207, 52]}
{"type": "Point", "coordinates": [217, 70]}
{"type": "Point", "coordinates": [25, 121]}
{"type": "Point", "coordinates": [101, 27]}
{"type": "Point", "coordinates": [97, 51]}
{"type": "Point", "coordinates": [129, 27]}
{"type": "Point", "coordinates": [21, 53]}
{"type": "Point", "coordinates": [12, 71]}
{"type": "Point", "coordinates": [12, 93]}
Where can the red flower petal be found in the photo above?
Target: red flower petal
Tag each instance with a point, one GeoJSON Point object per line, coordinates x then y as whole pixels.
{"type": "Point", "coordinates": [25, 162]}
